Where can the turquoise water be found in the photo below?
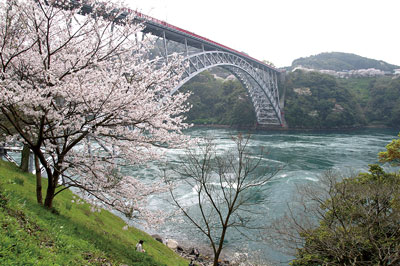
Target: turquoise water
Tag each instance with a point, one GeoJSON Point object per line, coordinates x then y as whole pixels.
{"type": "Point", "coordinates": [303, 157]}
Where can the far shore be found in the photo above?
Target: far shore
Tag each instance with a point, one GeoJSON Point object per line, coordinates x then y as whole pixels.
{"type": "Point", "coordinates": [288, 129]}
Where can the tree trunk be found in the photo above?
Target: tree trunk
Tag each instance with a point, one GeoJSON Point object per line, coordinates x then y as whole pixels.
{"type": "Point", "coordinates": [48, 202]}
{"type": "Point", "coordinates": [221, 241]}
{"type": "Point", "coordinates": [51, 189]}
{"type": "Point", "coordinates": [218, 253]}
{"type": "Point", "coordinates": [216, 258]}
{"type": "Point", "coordinates": [39, 196]}
{"type": "Point", "coordinates": [25, 158]}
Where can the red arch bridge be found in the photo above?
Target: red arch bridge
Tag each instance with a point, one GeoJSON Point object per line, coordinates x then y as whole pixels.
{"type": "Point", "coordinates": [200, 53]}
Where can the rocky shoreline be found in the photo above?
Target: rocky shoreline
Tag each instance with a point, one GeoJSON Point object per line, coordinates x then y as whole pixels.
{"type": "Point", "coordinates": [198, 254]}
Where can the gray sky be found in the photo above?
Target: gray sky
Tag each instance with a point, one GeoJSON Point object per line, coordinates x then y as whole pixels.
{"type": "Point", "coordinates": [283, 30]}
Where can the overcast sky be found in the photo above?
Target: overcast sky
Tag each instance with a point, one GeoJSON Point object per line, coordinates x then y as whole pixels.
{"type": "Point", "coordinates": [283, 30]}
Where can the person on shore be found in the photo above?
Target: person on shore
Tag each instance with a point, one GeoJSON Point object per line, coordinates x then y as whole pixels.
{"type": "Point", "coordinates": [139, 246]}
{"type": "Point", "coordinates": [195, 252]}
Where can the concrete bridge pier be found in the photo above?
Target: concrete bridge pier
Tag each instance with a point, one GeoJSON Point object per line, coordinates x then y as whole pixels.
{"type": "Point", "coordinates": [4, 155]}
{"type": "Point", "coordinates": [2, 152]}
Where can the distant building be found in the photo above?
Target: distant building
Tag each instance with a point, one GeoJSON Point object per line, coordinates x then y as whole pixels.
{"type": "Point", "coordinates": [370, 72]}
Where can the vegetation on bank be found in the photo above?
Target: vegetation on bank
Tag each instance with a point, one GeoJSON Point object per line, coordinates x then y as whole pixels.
{"type": "Point", "coordinates": [315, 100]}
{"type": "Point", "coordinates": [357, 222]}
{"type": "Point", "coordinates": [70, 234]}
{"type": "Point", "coordinates": [344, 219]}
{"type": "Point", "coordinates": [355, 219]}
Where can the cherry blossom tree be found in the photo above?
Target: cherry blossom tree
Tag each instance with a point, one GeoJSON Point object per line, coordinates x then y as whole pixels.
{"type": "Point", "coordinates": [75, 88]}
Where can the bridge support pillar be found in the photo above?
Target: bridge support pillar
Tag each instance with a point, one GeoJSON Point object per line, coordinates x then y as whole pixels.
{"type": "Point", "coordinates": [165, 47]}
{"type": "Point", "coordinates": [31, 165]}
{"type": "Point", "coordinates": [2, 152]}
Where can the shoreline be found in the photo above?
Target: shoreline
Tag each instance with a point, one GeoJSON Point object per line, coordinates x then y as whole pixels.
{"type": "Point", "coordinates": [185, 246]}
{"type": "Point", "coordinates": [288, 129]}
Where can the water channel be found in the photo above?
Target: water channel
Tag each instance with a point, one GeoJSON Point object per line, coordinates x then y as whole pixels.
{"type": "Point", "coordinates": [304, 157]}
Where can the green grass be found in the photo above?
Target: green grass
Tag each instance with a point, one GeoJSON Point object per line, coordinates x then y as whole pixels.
{"type": "Point", "coordinates": [70, 234]}
{"type": "Point", "coordinates": [359, 87]}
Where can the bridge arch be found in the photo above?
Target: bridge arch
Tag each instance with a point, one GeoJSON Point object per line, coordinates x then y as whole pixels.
{"type": "Point", "coordinates": [261, 84]}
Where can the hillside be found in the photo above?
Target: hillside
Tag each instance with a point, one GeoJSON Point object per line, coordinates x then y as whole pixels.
{"type": "Point", "coordinates": [70, 234]}
{"type": "Point", "coordinates": [315, 100]}
{"type": "Point", "coordinates": [318, 101]}
{"type": "Point", "coordinates": [341, 62]}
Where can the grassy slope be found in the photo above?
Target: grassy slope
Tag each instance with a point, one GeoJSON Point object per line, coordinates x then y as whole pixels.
{"type": "Point", "coordinates": [71, 235]}
{"type": "Point", "coordinates": [359, 87]}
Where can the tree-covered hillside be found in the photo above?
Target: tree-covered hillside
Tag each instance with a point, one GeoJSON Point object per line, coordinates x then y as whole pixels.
{"type": "Point", "coordinates": [315, 100]}
{"type": "Point", "coordinates": [384, 102]}
{"type": "Point", "coordinates": [341, 62]}
{"type": "Point", "coordinates": [379, 98]}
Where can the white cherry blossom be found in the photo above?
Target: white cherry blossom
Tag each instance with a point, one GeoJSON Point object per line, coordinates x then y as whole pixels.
{"type": "Point", "coordinates": [77, 87]}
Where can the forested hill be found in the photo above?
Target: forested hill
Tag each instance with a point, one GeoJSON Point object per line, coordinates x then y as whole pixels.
{"type": "Point", "coordinates": [317, 101]}
{"type": "Point", "coordinates": [341, 62]}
